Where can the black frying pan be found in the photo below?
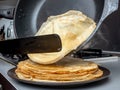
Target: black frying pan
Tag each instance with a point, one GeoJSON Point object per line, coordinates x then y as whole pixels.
{"type": "Point", "coordinates": [30, 14]}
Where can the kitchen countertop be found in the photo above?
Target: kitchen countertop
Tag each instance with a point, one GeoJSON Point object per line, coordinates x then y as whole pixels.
{"type": "Point", "coordinates": [111, 83]}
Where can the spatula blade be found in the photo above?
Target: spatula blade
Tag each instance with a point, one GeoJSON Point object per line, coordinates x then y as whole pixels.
{"type": "Point", "coordinates": [36, 44]}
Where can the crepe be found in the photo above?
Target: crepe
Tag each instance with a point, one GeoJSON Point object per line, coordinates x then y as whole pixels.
{"type": "Point", "coordinates": [73, 27]}
{"type": "Point", "coordinates": [63, 70]}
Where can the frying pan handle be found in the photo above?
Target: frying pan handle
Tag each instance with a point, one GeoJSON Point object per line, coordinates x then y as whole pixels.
{"type": "Point", "coordinates": [109, 7]}
{"type": "Point", "coordinates": [7, 13]}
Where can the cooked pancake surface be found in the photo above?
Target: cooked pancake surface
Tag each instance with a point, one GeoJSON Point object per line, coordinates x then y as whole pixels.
{"type": "Point", "coordinates": [64, 70]}
{"type": "Point", "coordinates": [73, 27]}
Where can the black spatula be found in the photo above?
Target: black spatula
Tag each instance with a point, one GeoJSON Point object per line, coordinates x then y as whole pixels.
{"type": "Point", "coordinates": [36, 44]}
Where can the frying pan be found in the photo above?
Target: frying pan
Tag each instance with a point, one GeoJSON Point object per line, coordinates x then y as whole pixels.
{"type": "Point", "coordinates": [30, 14]}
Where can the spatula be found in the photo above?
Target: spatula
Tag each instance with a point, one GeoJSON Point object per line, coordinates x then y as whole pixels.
{"type": "Point", "coordinates": [36, 44]}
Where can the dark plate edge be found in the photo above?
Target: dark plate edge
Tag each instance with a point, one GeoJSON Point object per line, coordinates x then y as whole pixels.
{"type": "Point", "coordinates": [11, 73]}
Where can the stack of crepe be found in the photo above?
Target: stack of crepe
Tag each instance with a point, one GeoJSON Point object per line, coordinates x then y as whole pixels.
{"type": "Point", "coordinates": [63, 70]}
{"type": "Point", "coordinates": [74, 28]}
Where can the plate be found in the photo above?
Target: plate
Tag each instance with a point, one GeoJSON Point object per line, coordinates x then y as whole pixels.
{"type": "Point", "coordinates": [13, 75]}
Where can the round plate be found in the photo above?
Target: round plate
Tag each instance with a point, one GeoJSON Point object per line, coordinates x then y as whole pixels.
{"type": "Point", "coordinates": [13, 75]}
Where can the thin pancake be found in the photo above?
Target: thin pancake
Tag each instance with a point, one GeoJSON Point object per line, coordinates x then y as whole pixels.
{"type": "Point", "coordinates": [57, 77]}
{"type": "Point", "coordinates": [64, 70]}
{"type": "Point", "coordinates": [73, 27]}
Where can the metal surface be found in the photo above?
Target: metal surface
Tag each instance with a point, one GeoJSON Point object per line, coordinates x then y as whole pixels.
{"type": "Point", "coordinates": [109, 7]}
{"type": "Point", "coordinates": [37, 44]}
{"type": "Point", "coordinates": [94, 53]}
{"type": "Point", "coordinates": [108, 36]}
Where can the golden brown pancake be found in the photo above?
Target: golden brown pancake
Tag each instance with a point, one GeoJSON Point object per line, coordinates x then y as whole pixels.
{"type": "Point", "coordinates": [73, 27]}
{"type": "Point", "coordinates": [63, 70]}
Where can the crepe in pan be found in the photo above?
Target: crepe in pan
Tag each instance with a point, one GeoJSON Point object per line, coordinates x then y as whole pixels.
{"type": "Point", "coordinates": [73, 27]}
